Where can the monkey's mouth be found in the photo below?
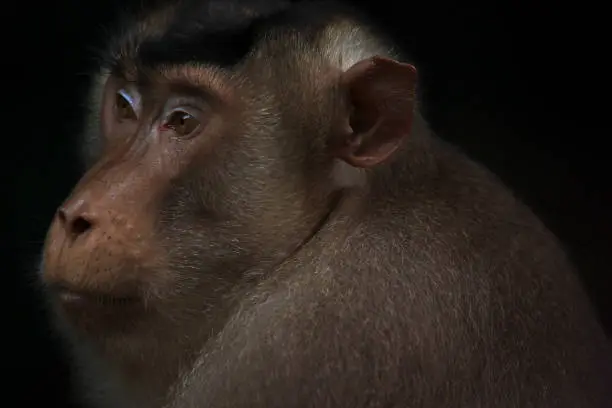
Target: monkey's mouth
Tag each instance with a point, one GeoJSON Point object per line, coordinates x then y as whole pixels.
{"type": "Point", "coordinates": [100, 299]}
{"type": "Point", "coordinates": [83, 298]}
{"type": "Point", "coordinates": [98, 313]}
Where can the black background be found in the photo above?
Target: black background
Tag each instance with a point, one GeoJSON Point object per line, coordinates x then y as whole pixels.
{"type": "Point", "coordinates": [521, 86]}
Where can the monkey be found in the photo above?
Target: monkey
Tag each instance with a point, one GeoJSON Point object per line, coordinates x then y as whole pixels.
{"type": "Point", "coordinates": [267, 219]}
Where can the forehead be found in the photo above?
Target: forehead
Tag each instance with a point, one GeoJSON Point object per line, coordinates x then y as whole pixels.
{"type": "Point", "coordinates": [214, 33]}
{"type": "Point", "coordinates": [221, 33]}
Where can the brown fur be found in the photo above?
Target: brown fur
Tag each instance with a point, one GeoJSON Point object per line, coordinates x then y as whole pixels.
{"type": "Point", "coordinates": [270, 273]}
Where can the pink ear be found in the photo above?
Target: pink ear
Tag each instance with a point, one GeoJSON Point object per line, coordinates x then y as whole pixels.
{"type": "Point", "coordinates": [382, 93]}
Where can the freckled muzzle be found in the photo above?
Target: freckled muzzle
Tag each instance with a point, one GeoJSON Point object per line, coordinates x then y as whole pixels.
{"type": "Point", "coordinates": [96, 267]}
{"type": "Point", "coordinates": [96, 290]}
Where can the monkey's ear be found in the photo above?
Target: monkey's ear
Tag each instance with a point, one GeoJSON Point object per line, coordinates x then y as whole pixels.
{"type": "Point", "coordinates": [382, 93]}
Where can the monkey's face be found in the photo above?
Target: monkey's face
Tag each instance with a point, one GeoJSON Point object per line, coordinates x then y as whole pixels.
{"type": "Point", "coordinates": [204, 179]}
{"type": "Point", "coordinates": [181, 201]}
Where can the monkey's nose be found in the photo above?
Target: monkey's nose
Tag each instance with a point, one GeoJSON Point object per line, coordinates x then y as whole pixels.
{"type": "Point", "coordinates": [75, 220]}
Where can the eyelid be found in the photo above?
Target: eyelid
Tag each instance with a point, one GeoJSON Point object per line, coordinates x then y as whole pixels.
{"type": "Point", "coordinates": [195, 112]}
{"type": "Point", "coordinates": [193, 106]}
{"type": "Point", "coordinates": [133, 101]}
{"type": "Point", "coordinates": [191, 109]}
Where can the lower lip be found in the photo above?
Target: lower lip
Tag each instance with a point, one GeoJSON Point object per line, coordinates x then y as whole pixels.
{"type": "Point", "coordinates": [88, 299]}
{"type": "Point", "coordinates": [100, 314]}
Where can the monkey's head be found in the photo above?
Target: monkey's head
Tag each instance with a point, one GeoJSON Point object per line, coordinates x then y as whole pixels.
{"type": "Point", "coordinates": [208, 167]}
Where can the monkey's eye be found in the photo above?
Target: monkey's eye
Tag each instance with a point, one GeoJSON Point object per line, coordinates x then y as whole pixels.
{"type": "Point", "coordinates": [124, 105]}
{"type": "Point", "coordinates": [181, 123]}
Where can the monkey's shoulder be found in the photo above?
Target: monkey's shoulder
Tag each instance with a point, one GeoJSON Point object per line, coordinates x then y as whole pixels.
{"type": "Point", "coordinates": [458, 219]}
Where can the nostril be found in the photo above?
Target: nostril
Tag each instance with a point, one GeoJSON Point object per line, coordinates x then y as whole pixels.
{"type": "Point", "coordinates": [79, 226]}
{"type": "Point", "coordinates": [74, 224]}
